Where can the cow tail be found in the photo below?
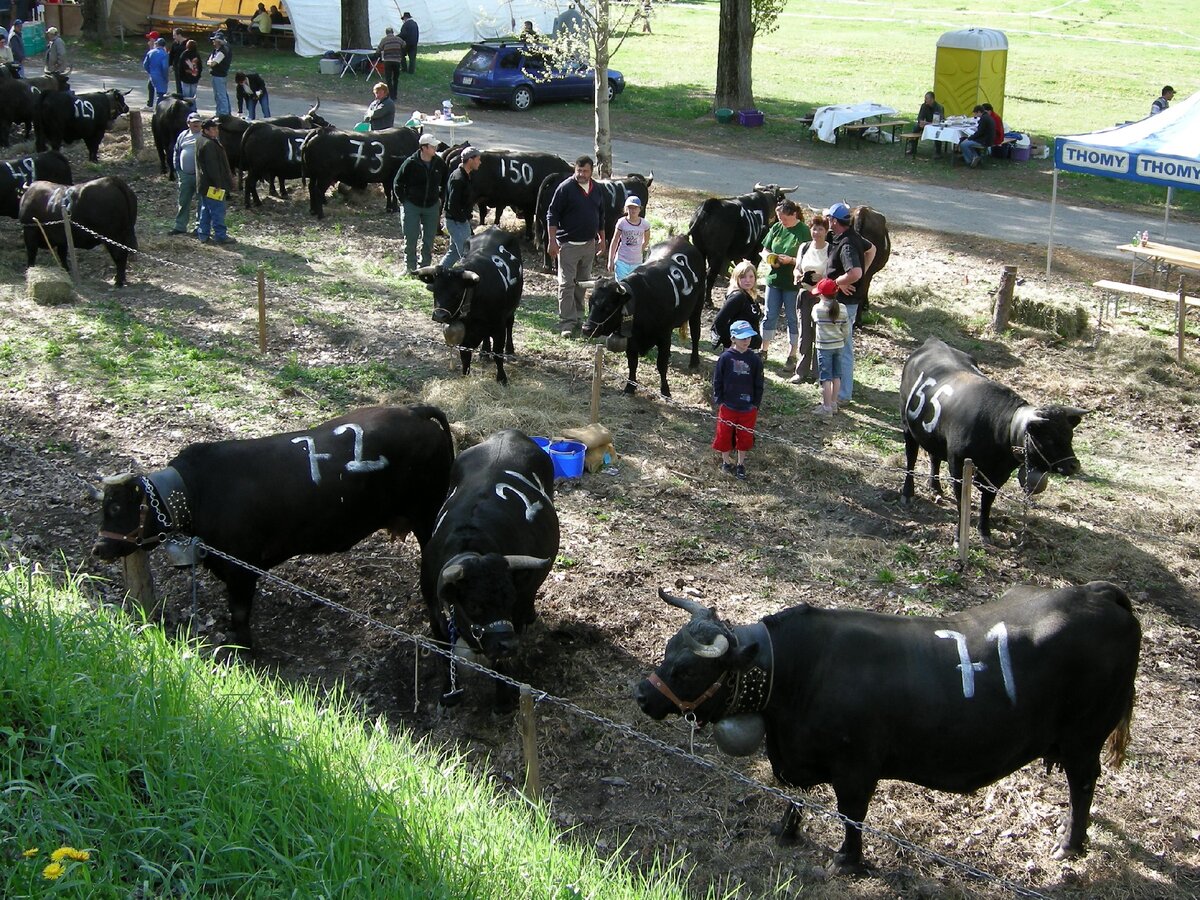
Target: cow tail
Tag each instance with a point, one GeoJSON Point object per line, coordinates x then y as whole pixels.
{"type": "Point", "coordinates": [425, 411]}
{"type": "Point", "coordinates": [1118, 741]}
{"type": "Point", "coordinates": [131, 203]}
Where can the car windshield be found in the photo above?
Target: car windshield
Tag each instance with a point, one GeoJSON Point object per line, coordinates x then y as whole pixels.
{"type": "Point", "coordinates": [478, 60]}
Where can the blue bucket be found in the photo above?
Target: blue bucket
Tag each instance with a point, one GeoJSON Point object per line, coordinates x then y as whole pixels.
{"type": "Point", "coordinates": [567, 457]}
{"type": "Point", "coordinates": [542, 442]}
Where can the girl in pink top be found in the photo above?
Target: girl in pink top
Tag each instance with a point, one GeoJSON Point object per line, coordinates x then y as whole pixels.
{"type": "Point", "coordinates": [629, 244]}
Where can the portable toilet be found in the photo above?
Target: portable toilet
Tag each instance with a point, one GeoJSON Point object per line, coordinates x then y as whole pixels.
{"type": "Point", "coordinates": [969, 70]}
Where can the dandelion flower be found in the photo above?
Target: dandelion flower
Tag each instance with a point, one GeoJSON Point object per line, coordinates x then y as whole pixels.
{"type": "Point", "coordinates": [53, 871]}
{"type": "Point", "coordinates": [77, 855]}
{"type": "Point", "coordinates": [63, 853]}
{"type": "Point", "coordinates": [30, 853]}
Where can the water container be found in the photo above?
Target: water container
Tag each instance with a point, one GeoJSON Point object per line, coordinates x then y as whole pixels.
{"type": "Point", "coordinates": [567, 457]}
{"type": "Point", "coordinates": [542, 442]}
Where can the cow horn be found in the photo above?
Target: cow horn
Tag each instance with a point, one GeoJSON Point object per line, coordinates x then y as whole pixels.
{"type": "Point", "coordinates": [470, 277]}
{"type": "Point", "coordinates": [426, 273]}
{"type": "Point", "coordinates": [95, 493]}
{"type": "Point", "coordinates": [696, 609]}
{"type": "Point", "coordinates": [719, 647]}
{"type": "Point", "coordinates": [650, 178]}
{"type": "Point", "coordinates": [122, 478]}
{"type": "Point", "coordinates": [790, 190]}
{"type": "Point", "coordinates": [317, 105]}
{"type": "Point", "coordinates": [759, 186]}
{"type": "Point", "coordinates": [516, 563]}
{"type": "Point", "coordinates": [453, 570]}
{"type": "Point", "coordinates": [622, 288]}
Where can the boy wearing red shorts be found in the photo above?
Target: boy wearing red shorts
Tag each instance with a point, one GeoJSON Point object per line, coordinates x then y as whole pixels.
{"type": "Point", "coordinates": [737, 393]}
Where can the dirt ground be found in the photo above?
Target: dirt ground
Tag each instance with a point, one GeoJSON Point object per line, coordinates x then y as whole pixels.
{"type": "Point", "coordinates": [122, 379]}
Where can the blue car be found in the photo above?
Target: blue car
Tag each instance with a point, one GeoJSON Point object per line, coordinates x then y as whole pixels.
{"type": "Point", "coordinates": [509, 72]}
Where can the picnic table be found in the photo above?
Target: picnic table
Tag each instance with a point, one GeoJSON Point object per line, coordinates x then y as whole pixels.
{"type": "Point", "coordinates": [1153, 256]}
{"type": "Point", "coordinates": [830, 122]}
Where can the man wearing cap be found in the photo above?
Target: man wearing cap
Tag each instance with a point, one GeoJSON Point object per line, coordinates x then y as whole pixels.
{"type": "Point", "coordinates": [850, 255]}
{"type": "Point", "coordinates": [157, 65]}
{"type": "Point", "coordinates": [630, 240]}
{"type": "Point", "coordinates": [16, 43]}
{"type": "Point", "coordinates": [418, 184]}
{"type": "Point", "coordinates": [381, 113]}
{"type": "Point", "coordinates": [574, 234]}
{"type": "Point", "coordinates": [218, 67]}
{"type": "Point", "coordinates": [458, 205]}
{"type": "Point", "coordinates": [185, 168]}
{"type": "Point", "coordinates": [214, 181]}
{"type": "Point", "coordinates": [151, 37]}
{"type": "Point", "coordinates": [56, 52]}
{"type": "Point", "coordinates": [410, 33]}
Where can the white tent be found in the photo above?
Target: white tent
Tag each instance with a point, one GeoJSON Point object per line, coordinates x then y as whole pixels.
{"type": "Point", "coordinates": [1162, 149]}
{"type": "Point", "coordinates": [319, 28]}
{"type": "Point", "coordinates": [318, 23]}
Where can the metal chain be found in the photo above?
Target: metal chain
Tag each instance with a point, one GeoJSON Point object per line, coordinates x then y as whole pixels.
{"type": "Point", "coordinates": [629, 731]}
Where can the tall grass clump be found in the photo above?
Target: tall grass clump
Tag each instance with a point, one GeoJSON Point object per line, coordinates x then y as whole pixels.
{"type": "Point", "coordinates": [134, 766]}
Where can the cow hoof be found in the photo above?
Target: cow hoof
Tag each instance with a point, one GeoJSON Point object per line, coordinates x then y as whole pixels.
{"type": "Point", "coordinates": [905, 500]}
{"type": "Point", "coordinates": [854, 868]}
{"type": "Point", "coordinates": [785, 837]}
{"type": "Point", "coordinates": [630, 389]}
{"type": "Point", "coordinates": [1061, 852]}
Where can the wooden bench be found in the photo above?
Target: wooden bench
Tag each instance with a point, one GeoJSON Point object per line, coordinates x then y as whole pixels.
{"type": "Point", "coordinates": [909, 137]}
{"type": "Point", "coordinates": [1182, 303]}
{"type": "Point", "coordinates": [860, 128]}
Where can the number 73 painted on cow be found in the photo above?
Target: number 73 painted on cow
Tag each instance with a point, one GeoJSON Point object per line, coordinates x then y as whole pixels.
{"type": "Point", "coordinates": [935, 400]}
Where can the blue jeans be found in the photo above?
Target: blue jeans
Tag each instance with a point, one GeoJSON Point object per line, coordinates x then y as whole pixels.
{"type": "Point", "coordinates": [187, 91]}
{"type": "Point", "coordinates": [221, 96]}
{"type": "Point", "coordinates": [460, 233]}
{"type": "Point", "coordinates": [212, 219]}
{"type": "Point", "coordinates": [971, 151]}
{"type": "Point", "coordinates": [254, 102]}
{"type": "Point", "coordinates": [187, 190]}
{"type": "Point", "coordinates": [828, 364]}
{"type": "Point", "coordinates": [849, 310]}
{"type": "Point", "coordinates": [776, 298]}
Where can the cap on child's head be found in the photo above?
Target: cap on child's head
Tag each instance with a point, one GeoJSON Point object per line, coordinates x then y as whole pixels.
{"type": "Point", "coordinates": [827, 287]}
{"type": "Point", "coordinates": [741, 330]}
{"type": "Point", "coordinates": [631, 200]}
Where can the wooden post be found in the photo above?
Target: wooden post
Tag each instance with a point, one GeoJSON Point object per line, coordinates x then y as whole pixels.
{"type": "Point", "coordinates": [964, 509]}
{"type": "Point", "coordinates": [1181, 324]}
{"type": "Point", "coordinates": [597, 377]}
{"type": "Point", "coordinates": [533, 778]}
{"type": "Point", "coordinates": [72, 262]}
{"type": "Point", "coordinates": [136, 141]}
{"type": "Point", "coordinates": [1008, 280]}
{"type": "Point", "coordinates": [139, 583]}
{"type": "Point", "coordinates": [262, 309]}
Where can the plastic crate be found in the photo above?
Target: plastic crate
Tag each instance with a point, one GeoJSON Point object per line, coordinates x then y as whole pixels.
{"type": "Point", "coordinates": [329, 66]}
{"type": "Point", "coordinates": [750, 118]}
{"type": "Point", "coordinates": [1020, 154]}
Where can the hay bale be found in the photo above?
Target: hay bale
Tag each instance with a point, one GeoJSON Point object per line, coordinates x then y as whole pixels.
{"type": "Point", "coordinates": [1066, 323]}
{"type": "Point", "coordinates": [49, 286]}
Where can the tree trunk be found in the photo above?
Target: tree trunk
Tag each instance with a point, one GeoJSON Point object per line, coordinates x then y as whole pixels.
{"type": "Point", "coordinates": [735, 49]}
{"type": "Point", "coordinates": [356, 30]}
{"type": "Point", "coordinates": [95, 19]}
{"type": "Point", "coordinates": [1004, 295]}
{"type": "Point", "coordinates": [603, 167]}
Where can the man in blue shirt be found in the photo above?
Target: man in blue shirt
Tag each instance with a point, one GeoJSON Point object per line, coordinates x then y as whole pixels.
{"type": "Point", "coordinates": [575, 233]}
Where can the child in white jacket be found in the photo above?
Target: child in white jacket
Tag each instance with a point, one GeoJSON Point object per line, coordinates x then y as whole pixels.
{"type": "Point", "coordinates": [832, 332]}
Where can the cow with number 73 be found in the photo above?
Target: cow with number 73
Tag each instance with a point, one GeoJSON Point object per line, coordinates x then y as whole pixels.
{"type": "Point", "coordinates": [264, 500]}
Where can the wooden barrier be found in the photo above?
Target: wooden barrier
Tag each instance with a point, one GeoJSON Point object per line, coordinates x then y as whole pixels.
{"type": "Point", "coordinates": [597, 378]}
{"type": "Point", "coordinates": [139, 583]}
{"type": "Point", "coordinates": [1004, 295]}
{"type": "Point", "coordinates": [72, 261]}
{"type": "Point", "coordinates": [964, 510]}
{"type": "Point", "coordinates": [136, 139]}
{"type": "Point", "coordinates": [528, 726]}
{"type": "Point", "coordinates": [262, 309]}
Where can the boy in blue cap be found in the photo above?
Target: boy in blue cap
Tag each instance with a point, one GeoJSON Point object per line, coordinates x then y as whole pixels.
{"type": "Point", "coordinates": [737, 393]}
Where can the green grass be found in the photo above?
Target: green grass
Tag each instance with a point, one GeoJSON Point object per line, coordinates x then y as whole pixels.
{"type": "Point", "coordinates": [1070, 69]}
{"type": "Point", "coordinates": [179, 777]}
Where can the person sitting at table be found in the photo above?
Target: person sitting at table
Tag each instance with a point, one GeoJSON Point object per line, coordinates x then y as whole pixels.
{"type": "Point", "coordinates": [980, 140]}
{"type": "Point", "coordinates": [931, 113]}
{"type": "Point", "coordinates": [998, 148]}
{"type": "Point", "coordinates": [261, 22]}
{"type": "Point", "coordinates": [278, 18]}
{"type": "Point", "coordinates": [381, 113]}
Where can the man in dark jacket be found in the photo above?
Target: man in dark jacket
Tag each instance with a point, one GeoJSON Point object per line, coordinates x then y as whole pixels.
{"type": "Point", "coordinates": [458, 206]}
{"type": "Point", "coordinates": [214, 181]}
{"type": "Point", "coordinates": [178, 45]}
{"type": "Point", "coordinates": [981, 140]}
{"type": "Point", "coordinates": [16, 43]}
{"type": "Point", "coordinates": [218, 67]}
{"type": "Point", "coordinates": [418, 184]}
{"type": "Point", "coordinates": [575, 234]}
{"type": "Point", "coordinates": [252, 93]}
{"type": "Point", "coordinates": [391, 51]}
{"type": "Point", "coordinates": [410, 33]}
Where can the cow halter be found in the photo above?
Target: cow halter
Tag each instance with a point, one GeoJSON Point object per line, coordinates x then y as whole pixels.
{"type": "Point", "coordinates": [165, 493]}
{"type": "Point", "coordinates": [750, 688]}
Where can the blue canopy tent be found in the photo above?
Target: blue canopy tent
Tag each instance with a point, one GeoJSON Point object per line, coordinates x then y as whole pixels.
{"type": "Point", "coordinates": [1162, 149]}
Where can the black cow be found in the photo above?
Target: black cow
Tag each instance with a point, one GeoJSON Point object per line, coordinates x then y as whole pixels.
{"type": "Point", "coordinates": [18, 101]}
{"type": "Point", "coordinates": [265, 500]}
{"type": "Point", "coordinates": [476, 300]}
{"type": "Point", "coordinates": [846, 697]}
{"type": "Point", "coordinates": [954, 412]}
{"type": "Point", "coordinates": [17, 174]}
{"type": "Point", "coordinates": [514, 178]}
{"type": "Point", "coordinates": [104, 206]}
{"type": "Point", "coordinates": [356, 159]}
{"type": "Point", "coordinates": [271, 152]}
{"type": "Point", "coordinates": [232, 128]}
{"type": "Point", "coordinates": [495, 542]}
{"type": "Point", "coordinates": [63, 118]}
{"type": "Point", "coordinates": [167, 123]}
{"type": "Point", "coordinates": [732, 229]}
{"type": "Point", "coordinates": [639, 313]}
{"type": "Point", "coordinates": [616, 191]}
{"type": "Point", "coordinates": [872, 225]}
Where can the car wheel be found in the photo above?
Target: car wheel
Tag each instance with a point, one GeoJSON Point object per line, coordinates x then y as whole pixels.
{"type": "Point", "coordinates": [612, 90]}
{"type": "Point", "coordinates": [522, 98]}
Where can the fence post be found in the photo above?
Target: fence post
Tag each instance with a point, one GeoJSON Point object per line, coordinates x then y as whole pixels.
{"type": "Point", "coordinates": [1008, 280]}
{"type": "Point", "coordinates": [533, 778]}
{"type": "Point", "coordinates": [139, 582]}
{"type": "Point", "coordinates": [136, 141]}
{"type": "Point", "coordinates": [1181, 324]}
{"type": "Point", "coordinates": [964, 509]}
{"type": "Point", "coordinates": [262, 309]}
{"type": "Point", "coordinates": [71, 260]}
{"type": "Point", "coordinates": [597, 378]}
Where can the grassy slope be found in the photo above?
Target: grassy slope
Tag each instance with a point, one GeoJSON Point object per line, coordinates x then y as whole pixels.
{"type": "Point", "coordinates": [191, 779]}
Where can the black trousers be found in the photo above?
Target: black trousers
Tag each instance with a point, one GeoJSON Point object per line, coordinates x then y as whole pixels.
{"type": "Point", "coordinates": [410, 59]}
{"type": "Point", "coordinates": [391, 74]}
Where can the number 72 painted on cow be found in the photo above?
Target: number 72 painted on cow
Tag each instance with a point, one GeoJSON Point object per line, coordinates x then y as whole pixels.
{"type": "Point", "coordinates": [935, 400]}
